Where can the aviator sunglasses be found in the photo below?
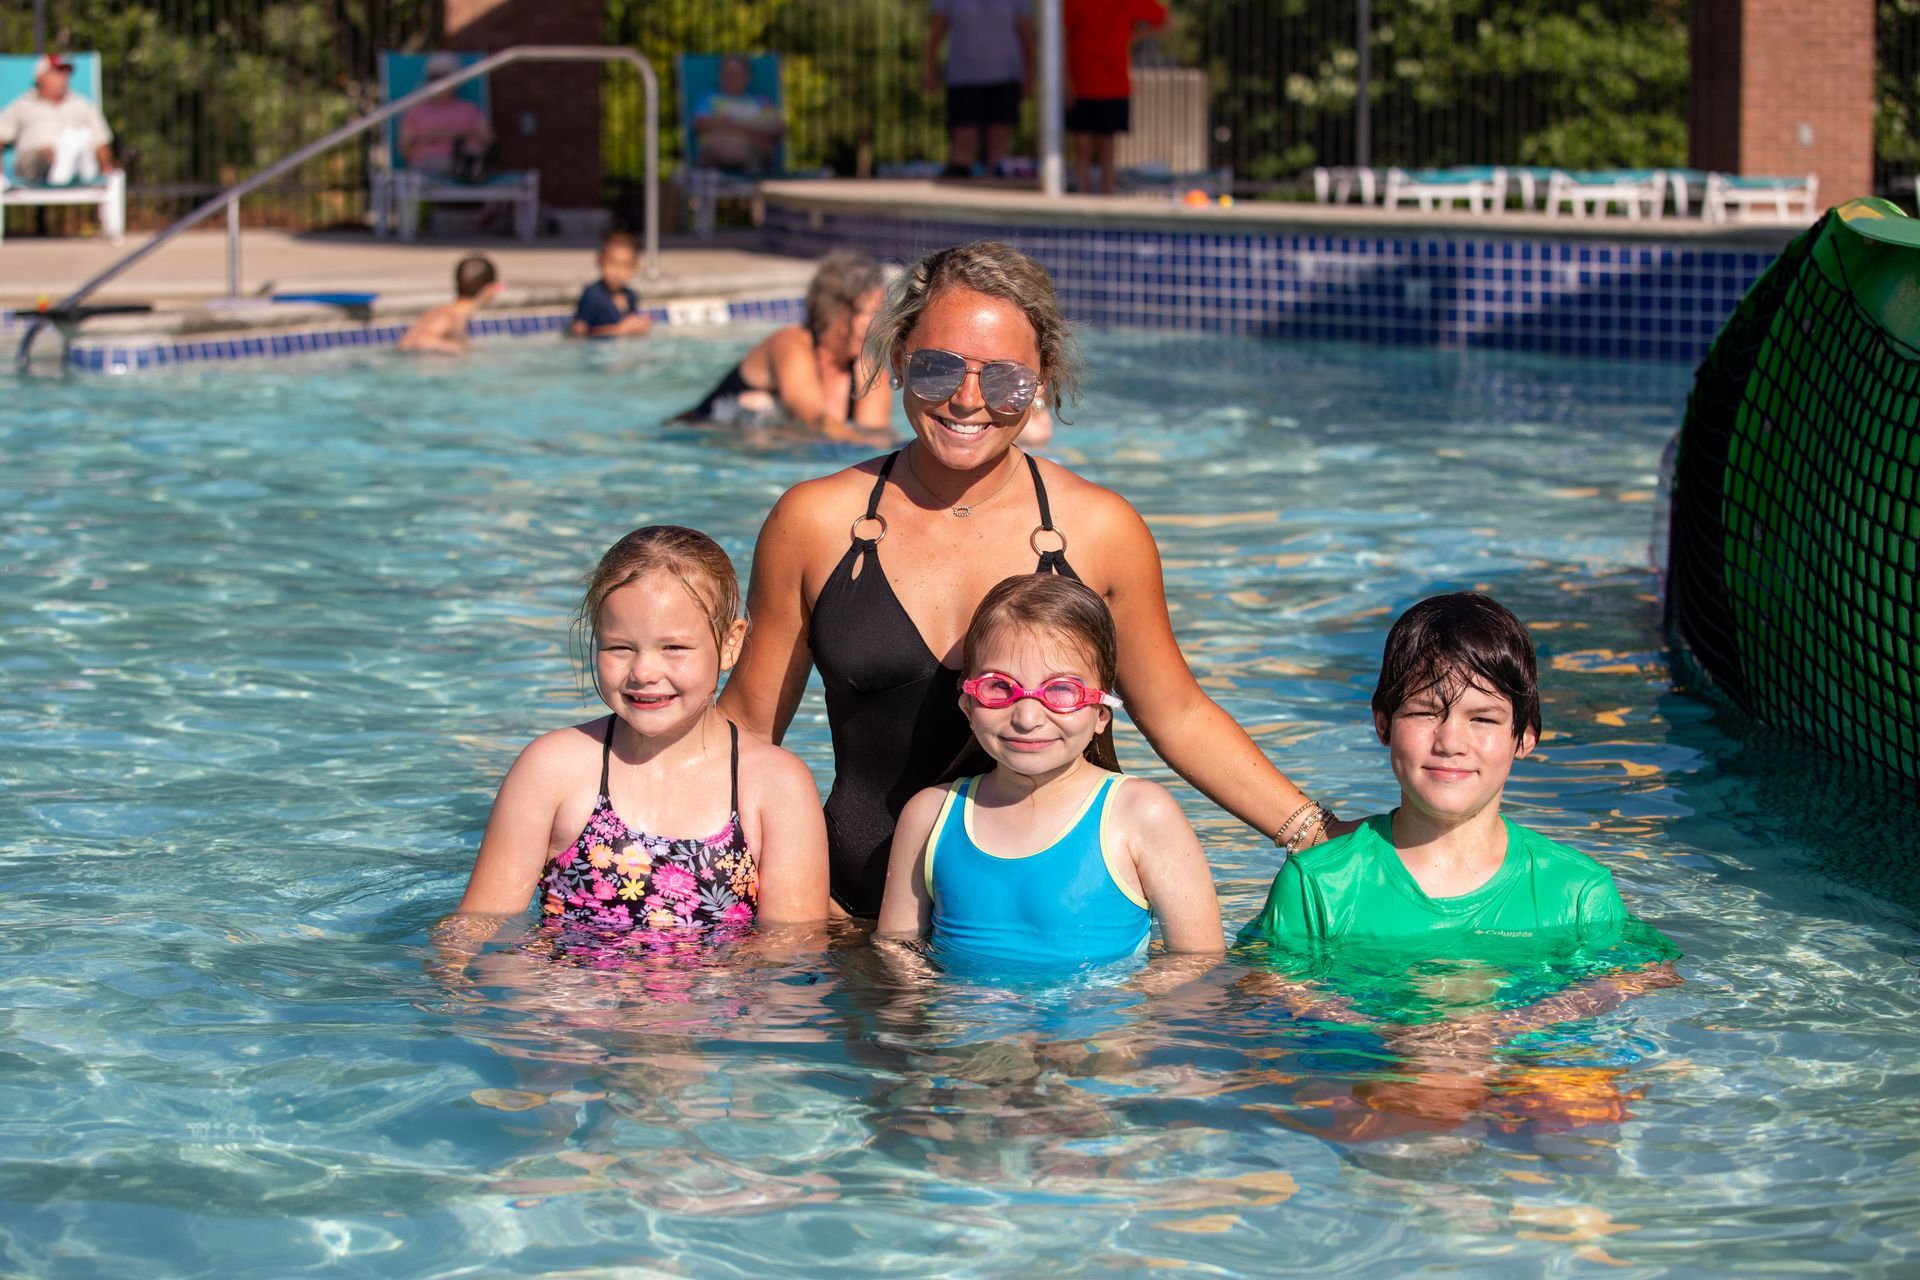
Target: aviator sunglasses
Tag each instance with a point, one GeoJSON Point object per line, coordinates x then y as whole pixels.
{"type": "Point", "coordinates": [1062, 693]}
{"type": "Point", "coordinates": [1006, 386]}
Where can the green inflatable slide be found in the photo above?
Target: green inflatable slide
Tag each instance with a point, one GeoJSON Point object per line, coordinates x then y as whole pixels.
{"type": "Point", "coordinates": [1793, 565]}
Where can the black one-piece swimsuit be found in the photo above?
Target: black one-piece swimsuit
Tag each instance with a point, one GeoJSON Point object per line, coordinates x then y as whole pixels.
{"type": "Point", "coordinates": [892, 708]}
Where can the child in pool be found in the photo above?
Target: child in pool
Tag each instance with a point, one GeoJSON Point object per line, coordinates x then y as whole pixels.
{"type": "Point", "coordinates": [662, 613]}
{"type": "Point", "coordinates": [1052, 857]}
{"type": "Point", "coordinates": [1458, 701]}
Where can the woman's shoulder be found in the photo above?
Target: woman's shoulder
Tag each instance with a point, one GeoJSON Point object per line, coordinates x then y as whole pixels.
{"type": "Point", "coordinates": [1087, 507]}
{"type": "Point", "coordinates": [831, 500]}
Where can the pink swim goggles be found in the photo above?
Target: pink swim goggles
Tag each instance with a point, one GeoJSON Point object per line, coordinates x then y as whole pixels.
{"type": "Point", "coordinates": [1062, 693]}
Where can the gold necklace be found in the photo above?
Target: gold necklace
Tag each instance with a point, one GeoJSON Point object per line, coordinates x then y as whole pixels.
{"type": "Point", "coordinates": [962, 511]}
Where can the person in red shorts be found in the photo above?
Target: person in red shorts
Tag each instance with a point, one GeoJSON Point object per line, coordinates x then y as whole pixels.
{"type": "Point", "coordinates": [1099, 87]}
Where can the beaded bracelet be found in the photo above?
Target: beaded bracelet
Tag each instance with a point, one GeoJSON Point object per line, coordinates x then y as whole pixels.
{"type": "Point", "coordinates": [1279, 833]}
{"type": "Point", "coordinates": [1304, 838]}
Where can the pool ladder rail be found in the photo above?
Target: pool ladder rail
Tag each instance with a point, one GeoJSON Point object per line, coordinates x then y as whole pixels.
{"type": "Point", "coordinates": [68, 312]}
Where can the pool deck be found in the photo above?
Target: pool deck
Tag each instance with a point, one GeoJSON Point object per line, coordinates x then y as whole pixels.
{"type": "Point", "coordinates": [185, 281]}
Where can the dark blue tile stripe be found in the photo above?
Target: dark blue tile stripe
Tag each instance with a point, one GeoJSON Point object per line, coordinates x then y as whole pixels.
{"type": "Point", "coordinates": [1633, 301]}
{"type": "Point", "coordinates": [131, 359]}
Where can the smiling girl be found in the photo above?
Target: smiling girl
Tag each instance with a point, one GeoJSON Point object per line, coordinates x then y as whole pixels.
{"type": "Point", "coordinates": [692, 823]}
{"type": "Point", "coordinates": [1052, 856]}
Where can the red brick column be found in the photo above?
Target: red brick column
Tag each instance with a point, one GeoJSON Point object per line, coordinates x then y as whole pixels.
{"type": "Point", "coordinates": [546, 114]}
{"type": "Point", "coordinates": [1784, 87]}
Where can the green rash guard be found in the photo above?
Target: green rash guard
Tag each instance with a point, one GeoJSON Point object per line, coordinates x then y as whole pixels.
{"type": "Point", "coordinates": [1355, 891]}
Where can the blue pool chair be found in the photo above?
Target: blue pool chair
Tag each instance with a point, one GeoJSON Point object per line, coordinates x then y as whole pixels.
{"type": "Point", "coordinates": [109, 194]}
{"type": "Point", "coordinates": [1482, 187]}
{"type": "Point", "coordinates": [398, 193]}
{"type": "Point", "coordinates": [730, 142]}
{"type": "Point", "coordinates": [1786, 199]}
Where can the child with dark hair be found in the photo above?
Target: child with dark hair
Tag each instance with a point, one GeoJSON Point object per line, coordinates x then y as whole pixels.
{"type": "Point", "coordinates": [444, 328]}
{"type": "Point", "coordinates": [609, 308]}
{"type": "Point", "coordinates": [1458, 701]}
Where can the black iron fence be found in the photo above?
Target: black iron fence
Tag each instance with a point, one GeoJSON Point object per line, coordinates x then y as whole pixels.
{"type": "Point", "coordinates": [202, 92]}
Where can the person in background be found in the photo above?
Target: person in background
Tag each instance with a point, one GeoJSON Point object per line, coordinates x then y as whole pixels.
{"type": "Point", "coordinates": [989, 70]}
{"type": "Point", "coordinates": [808, 373]}
{"type": "Point", "coordinates": [1099, 36]}
{"type": "Point", "coordinates": [609, 308]}
{"type": "Point", "coordinates": [736, 129]}
{"type": "Point", "coordinates": [446, 136]}
{"type": "Point", "coordinates": [59, 136]}
{"type": "Point", "coordinates": [444, 328]}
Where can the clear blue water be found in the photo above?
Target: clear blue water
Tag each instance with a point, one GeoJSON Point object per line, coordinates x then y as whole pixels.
{"type": "Point", "coordinates": [270, 635]}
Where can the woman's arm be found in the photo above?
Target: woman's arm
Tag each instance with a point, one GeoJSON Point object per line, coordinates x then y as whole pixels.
{"type": "Point", "coordinates": [796, 377]}
{"type": "Point", "coordinates": [793, 840]}
{"type": "Point", "coordinates": [765, 685]}
{"type": "Point", "coordinates": [519, 832]}
{"type": "Point", "coordinates": [906, 909]}
{"type": "Point", "coordinates": [1200, 741]}
{"type": "Point", "coordinates": [1173, 872]}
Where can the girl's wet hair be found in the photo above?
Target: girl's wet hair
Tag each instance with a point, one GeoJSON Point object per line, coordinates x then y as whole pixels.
{"type": "Point", "coordinates": [690, 557]}
{"type": "Point", "coordinates": [1462, 636]}
{"type": "Point", "coordinates": [999, 271]}
{"type": "Point", "coordinates": [838, 282]}
{"type": "Point", "coordinates": [1047, 607]}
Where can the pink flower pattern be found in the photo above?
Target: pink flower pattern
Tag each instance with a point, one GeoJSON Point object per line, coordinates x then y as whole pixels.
{"type": "Point", "coordinates": [649, 882]}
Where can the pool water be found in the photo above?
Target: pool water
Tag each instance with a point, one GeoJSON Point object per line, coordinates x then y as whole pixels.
{"type": "Point", "coordinates": [271, 634]}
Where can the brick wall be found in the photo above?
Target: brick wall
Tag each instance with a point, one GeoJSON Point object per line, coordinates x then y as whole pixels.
{"type": "Point", "coordinates": [547, 115]}
{"type": "Point", "coordinates": [1785, 87]}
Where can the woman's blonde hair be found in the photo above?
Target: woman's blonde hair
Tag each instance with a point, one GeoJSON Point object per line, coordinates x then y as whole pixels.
{"type": "Point", "coordinates": [999, 271]}
{"type": "Point", "coordinates": [690, 557]}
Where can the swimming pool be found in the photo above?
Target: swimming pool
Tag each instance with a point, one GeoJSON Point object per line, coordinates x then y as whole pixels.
{"type": "Point", "coordinates": [272, 634]}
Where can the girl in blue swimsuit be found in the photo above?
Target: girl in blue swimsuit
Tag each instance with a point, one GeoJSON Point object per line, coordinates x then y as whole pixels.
{"type": "Point", "coordinates": [691, 823]}
{"type": "Point", "coordinates": [1051, 857]}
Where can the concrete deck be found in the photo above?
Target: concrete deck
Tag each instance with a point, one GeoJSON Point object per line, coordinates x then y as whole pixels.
{"type": "Point", "coordinates": [186, 280]}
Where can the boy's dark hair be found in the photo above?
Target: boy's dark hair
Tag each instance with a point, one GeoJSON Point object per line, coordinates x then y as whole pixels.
{"type": "Point", "coordinates": [620, 240]}
{"type": "Point", "coordinates": [473, 274]}
{"type": "Point", "coordinates": [1467, 634]}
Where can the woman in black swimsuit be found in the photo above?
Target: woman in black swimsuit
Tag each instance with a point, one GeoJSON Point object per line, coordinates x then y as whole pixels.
{"type": "Point", "coordinates": [805, 373]}
{"type": "Point", "coordinates": [976, 337]}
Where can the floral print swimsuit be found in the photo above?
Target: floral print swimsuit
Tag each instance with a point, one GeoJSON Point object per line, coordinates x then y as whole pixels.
{"type": "Point", "coordinates": [615, 878]}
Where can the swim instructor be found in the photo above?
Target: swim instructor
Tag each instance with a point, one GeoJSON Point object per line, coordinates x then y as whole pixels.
{"type": "Point", "coordinates": [872, 573]}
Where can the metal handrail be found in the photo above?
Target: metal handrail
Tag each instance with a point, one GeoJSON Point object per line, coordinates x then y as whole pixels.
{"type": "Point", "coordinates": [231, 197]}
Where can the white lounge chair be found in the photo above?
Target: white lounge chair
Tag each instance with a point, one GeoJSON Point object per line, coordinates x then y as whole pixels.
{"type": "Point", "coordinates": [108, 195]}
{"type": "Point", "coordinates": [1337, 184]}
{"type": "Point", "coordinates": [1483, 188]}
{"type": "Point", "coordinates": [1787, 199]}
{"type": "Point", "coordinates": [1640, 193]}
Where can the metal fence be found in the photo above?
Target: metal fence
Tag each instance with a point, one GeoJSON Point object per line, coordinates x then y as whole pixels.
{"type": "Point", "coordinates": [202, 92]}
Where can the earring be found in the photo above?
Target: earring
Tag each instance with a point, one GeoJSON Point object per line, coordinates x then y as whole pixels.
{"type": "Point", "coordinates": [894, 381]}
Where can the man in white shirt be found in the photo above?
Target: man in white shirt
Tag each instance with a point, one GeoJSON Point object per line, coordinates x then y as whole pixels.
{"type": "Point", "coordinates": [58, 136]}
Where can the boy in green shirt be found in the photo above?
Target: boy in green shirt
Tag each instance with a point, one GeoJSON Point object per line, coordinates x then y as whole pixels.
{"type": "Point", "coordinates": [1445, 875]}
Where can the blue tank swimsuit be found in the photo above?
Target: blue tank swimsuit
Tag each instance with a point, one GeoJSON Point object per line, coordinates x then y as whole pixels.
{"type": "Point", "coordinates": [1061, 906]}
{"type": "Point", "coordinates": [616, 878]}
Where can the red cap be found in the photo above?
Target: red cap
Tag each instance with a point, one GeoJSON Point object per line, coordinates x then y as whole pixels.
{"type": "Point", "coordinates": [50, 62]}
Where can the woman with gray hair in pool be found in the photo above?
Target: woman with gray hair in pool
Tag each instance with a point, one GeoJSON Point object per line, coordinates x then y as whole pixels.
{"type": "Point", "coordinates": [974, 339]}
{"type": "Point", "coordinates": [805, 373]}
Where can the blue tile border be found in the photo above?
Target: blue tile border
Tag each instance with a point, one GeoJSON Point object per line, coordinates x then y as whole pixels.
{"type": "Point", "coordinates": [1636, 301]}
{"type": "Point", "coordinates": [132, 357]}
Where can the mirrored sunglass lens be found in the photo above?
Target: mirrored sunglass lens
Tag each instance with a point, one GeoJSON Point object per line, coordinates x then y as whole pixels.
{"type": "Point", "coordinates": [935, 375]}
{"type": "Point", "coordinates": [1008, 387]}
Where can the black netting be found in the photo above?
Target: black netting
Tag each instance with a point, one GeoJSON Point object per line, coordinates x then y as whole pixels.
{"type": "Point", "coordinates": [1796, 515]}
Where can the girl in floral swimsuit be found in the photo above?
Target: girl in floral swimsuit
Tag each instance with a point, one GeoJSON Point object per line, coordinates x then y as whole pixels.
{"type": "Point", "coordinates": [662, 615]}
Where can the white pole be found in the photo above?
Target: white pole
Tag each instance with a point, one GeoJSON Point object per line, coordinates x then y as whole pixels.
{"type": "Point", "coordinates": [1053, 174]}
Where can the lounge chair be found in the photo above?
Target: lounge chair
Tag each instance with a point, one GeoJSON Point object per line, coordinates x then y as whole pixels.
{"type": "Point", "coordinates": [1337, 184]}
{"type": "Point", "coordinates": [1639, 192]}
{"type": "Point", "coordinates": [109, 194]}
{"type": "Point", "coordinates": [1788, 199]}
{"type": "Point", "coordinates": [733, 136]}
{"type": "Point", "coordinates": [398, 192]}
{"type": "Point", "coordinates": [1482, 187]}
